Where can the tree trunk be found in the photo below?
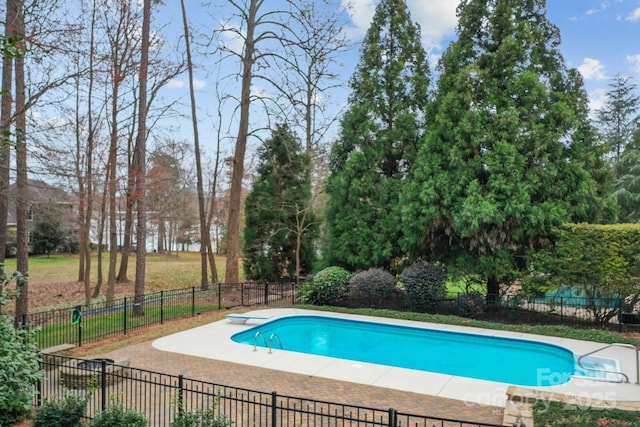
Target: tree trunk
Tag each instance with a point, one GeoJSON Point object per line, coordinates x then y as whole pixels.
{"type": "Point", "coordinates": [22, 190]}
{"type": "Point", "coordinates": [232, 274]}
{"type": "Point", "coordinates": [86, 224]}
{"type": "Point", "coordinates": [128, 220]}
{"type": "Point", "coordinates": [101, 227]}
{"type": "Point", "coordinates": [205, 239]}
{"type": "Point", "coordinates": [5, 128]}
{"type": "Point", "coordinates": [113, 178]}
{"type": "Point", "coordinates": [141, 232]}
{"type": "Point", "coordinates": [493, 291]}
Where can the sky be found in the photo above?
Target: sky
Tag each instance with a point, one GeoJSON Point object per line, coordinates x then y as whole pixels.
{"type": "Point", "coordinates": [599, 38]}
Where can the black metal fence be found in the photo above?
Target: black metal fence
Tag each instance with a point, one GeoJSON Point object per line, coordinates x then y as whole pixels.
{"type": "Point", "coordinates": [82, 324]}
{"type": "Point", "coordinates": [573, 311]}
{"type": "Point", "coordinates": [86, 323]}
{"type": "Point", "coordinates": [161, 397]}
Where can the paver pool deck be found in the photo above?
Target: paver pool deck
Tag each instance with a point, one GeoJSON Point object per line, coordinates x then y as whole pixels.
{"type": "Point", "coordinates": [201, 353]}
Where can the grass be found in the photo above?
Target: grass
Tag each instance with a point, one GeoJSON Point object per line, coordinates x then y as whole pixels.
{"type": "Point", "coordinates": [101, 325]}
{"type": "Point", "coordinates": [555, 414]}
{"type": "Point", "coordinates": [162, 271]}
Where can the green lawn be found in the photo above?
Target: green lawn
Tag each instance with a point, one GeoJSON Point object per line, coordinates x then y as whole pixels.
{"type": "Point", "coordinates": [554, 414]}
{"type": "Point", "coordinates": [104, 323]}
{"type": "Point", "coordinates": [162, 271]}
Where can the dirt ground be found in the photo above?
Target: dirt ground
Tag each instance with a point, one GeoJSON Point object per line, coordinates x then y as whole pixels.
{"type": "Point", "coordinates": [57, 295]}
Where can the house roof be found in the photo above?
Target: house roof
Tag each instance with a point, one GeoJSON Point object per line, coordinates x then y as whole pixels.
{"type": "Point", "coordinates": [39, 192]}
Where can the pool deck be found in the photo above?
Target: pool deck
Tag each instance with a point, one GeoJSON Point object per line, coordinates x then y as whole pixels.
{"type": "Point", "coordinates": [207, 353]}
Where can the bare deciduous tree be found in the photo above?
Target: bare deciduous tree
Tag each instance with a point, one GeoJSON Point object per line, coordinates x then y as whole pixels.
{"type": "Point", "coordinates": [141, 231]}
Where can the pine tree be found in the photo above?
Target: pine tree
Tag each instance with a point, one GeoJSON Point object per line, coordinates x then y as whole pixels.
{"type": "Point", "coordinates": [628, 181]}
{"type": "Point", "coordinates": [510, 151]}
{"type": "Point", "coordinates": [378, 141]}
{"type": "Point", "coordinates": [274, 208]}
{"type": "Point", "coordinates": [618, 118]}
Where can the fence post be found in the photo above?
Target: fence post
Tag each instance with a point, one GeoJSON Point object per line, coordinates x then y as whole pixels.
{"type": "Point", "coordinates": [562, 310]}
{"type": "Point", "coordinates": [39, 383]}
{"type": "Point", "coordinates": [274, 406]}
{"type": "Point", "coordinates": [193, 301]}
{"type": "Point", "coordinates": [393, 417]}
{"type": "Point", "coordinates": [266, 292]}
{"type": "Point", "coordinates": [180, 395]}
{"type": "Point", "coordinates": [124, 317]}
{"type": "Point", "coordinates": [162, 307]}
{"type": "Point", "coordinates": [103, 385]}
{"type": "Point", "coordinates": [619, 313]}
{"type": "Point", "coordinates": [79, 307]}
{"type": "Point", "coordinates": [220, 296]}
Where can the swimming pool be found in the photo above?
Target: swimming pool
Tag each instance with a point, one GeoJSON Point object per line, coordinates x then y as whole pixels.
{"type": "Point", "coordinates": [485, 357]}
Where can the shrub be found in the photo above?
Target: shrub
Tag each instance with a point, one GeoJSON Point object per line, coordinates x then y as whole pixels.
{"type": "Point", "coordinates": [471, 304]}
{"type": "Point", "coordinates": [19, 367]}
{"type": "Point", "coordinates": [424, 284]}
{"type": "Point", "coordinates": [200, 419]}
{"type": "Point", "coordinates": [116, 416]}
{"type": "Point", "coordinates": [375, 284]}
{"type": "Point", "coordinates": [65, 412]}
{"type": "Point", "coordinates": [328, 287]}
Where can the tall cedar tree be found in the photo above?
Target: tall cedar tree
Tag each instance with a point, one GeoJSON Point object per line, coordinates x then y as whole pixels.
{"type": "Point", "coordinates": [281, 190]}
{"type": "Point", "coordinates": [510, 152]}
{"type": "Point", "coordinates": [618, 118]}
{"type": "Point", "coordinates": [378, 142]}
{"type": "Point", "coordinates": [628, 181]}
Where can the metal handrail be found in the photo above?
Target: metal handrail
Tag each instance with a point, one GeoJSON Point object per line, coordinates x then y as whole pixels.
{"type": "Point", "coordinates": [626, 377]}
{"type": "Point", "coordinates": [255, 340]}
{"type": "Point", "coordinates": [274, 335]}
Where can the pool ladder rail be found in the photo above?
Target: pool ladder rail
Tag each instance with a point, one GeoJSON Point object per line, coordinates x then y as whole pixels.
{"type": "Point", "coordinates": [272, 337]}
{"type": "Point", "coordinates": [605, 371]}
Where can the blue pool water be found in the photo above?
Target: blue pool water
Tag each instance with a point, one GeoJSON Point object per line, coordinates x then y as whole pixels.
{"type": "Point", "coordinates": [507, 360]}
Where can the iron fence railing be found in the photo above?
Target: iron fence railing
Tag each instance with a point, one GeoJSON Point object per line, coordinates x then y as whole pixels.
{"type": "Point", "coordinates": [86, 323]}
{"type": "Point", "coordinates": [573, 311]}
{"type": "Point", "coordinates": [161, 397]}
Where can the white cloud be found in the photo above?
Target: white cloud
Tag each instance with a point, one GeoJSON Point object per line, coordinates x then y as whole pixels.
{"type": "Point", "coordinates": [634, 16]}
{"type": "Point", "coordinates": [593, 11]}
{"type": "Point", "coordinates": [597, 99]}
{"type": "Point", "coordinates": [232, 37]}
{"type": "Point", "coordinates": [176, 84]}
{"type": "Point", "coordinates": [592, 69]}
{"type": "Point", "coordinates": [181, 84]}
{"type": "Point", "coordinates": [634, 61]}
{"type": "Point", "coordinates": [361, 14]}
{"type": "Point", "coordinates": [437, 18]}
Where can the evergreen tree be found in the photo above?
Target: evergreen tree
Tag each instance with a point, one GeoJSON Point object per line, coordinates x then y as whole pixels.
{"type": "Point", "coordinates": [510, 151]}
{"type": "Point", "coordinates": [279, 199]}
{"type": "Point", "coordinates": [378, 141]}
{"type": "Point", "coordinates": [628, 181]}
{"type": "Point", "coordinates": [618, 118]}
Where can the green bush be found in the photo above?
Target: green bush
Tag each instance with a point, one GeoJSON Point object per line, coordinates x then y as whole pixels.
{"type": "Point", "coordinates": [200, 419]}
{"type": "Point", "coordinates": [116, 416]}
{"type": "Point", "coordinates": [471, 304]}
{"type": "Point", "coordinates": [374, 284]}
{"type": "Point", "coordinates": [19, 366]}
{"type": "Point", "coordinates": [328, 287]}
{"type": "Point", "coordinates": [425, 284]}
{"type": "Point", "coordinates": [65, 412]}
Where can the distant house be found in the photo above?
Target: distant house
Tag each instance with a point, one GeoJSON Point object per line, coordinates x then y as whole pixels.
{"type": "Point", "coordinates": [44, 199]}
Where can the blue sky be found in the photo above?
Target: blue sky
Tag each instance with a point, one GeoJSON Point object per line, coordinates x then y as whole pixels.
{"type": "Point", "coordinates": [599, 38]}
